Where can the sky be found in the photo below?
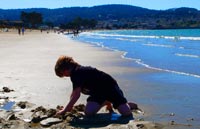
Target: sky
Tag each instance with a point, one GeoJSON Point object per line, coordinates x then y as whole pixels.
{"type": "Point", "coordinates": [150, 4]}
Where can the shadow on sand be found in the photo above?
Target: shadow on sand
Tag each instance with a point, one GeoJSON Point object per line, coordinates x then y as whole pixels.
{"type": "Point", "coordinates": [100, 120]}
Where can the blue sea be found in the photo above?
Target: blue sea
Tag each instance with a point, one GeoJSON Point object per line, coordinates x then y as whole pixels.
{"type": "Point", "coordinates": [174, 53]}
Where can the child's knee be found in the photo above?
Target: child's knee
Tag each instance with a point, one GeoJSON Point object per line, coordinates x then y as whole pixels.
{"type": "Point", "coordinates": [92, 108]}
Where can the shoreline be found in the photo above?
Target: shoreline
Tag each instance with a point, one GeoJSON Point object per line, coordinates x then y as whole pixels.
{"type": "Point", "coordinates": [28, 68]}
{"type": "Point", "coordinates": [146, 65]}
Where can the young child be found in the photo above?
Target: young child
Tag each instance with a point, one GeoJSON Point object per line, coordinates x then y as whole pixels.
{"type": "Point", "coordinates": [100, 86]}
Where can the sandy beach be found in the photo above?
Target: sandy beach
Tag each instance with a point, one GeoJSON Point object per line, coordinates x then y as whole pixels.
{"type": "Point", "coordinates": [27, 69]}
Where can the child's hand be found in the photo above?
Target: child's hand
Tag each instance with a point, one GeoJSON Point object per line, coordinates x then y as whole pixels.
{"type": "Point", "coordinates": [61, 112]}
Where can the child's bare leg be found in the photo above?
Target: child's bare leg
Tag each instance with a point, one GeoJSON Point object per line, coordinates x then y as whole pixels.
{"type": "Point", "coordinates": [92, 108]}
{"type": "Point", "coordinates": [124, 109]}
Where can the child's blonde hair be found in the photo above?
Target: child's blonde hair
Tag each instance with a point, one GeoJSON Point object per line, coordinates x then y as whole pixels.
{"type": "Point", "coordinates": [65, 63]}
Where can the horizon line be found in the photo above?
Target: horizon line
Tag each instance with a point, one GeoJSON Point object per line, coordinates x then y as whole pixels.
{"type": "Point", "coordinates": [95, 6]}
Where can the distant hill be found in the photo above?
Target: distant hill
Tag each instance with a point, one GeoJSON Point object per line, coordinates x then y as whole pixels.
{"type": "Point", "coordinates": [131, 16]}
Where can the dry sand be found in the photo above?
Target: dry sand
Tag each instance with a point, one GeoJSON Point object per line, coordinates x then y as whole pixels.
{"type": "Point", "coordinates": [27, 67]}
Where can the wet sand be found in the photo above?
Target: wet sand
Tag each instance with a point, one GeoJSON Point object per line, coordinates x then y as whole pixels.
{"type": "Point", "coordinates": [27, 67]}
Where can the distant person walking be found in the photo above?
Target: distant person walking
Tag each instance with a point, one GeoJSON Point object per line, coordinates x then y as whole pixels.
{"type": "Point", "coordinates": [19, 31]}
{"type": "Point", "coordinates": [23, 30]}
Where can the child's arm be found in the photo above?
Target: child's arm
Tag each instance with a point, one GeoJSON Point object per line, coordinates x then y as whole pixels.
{"type": "Point", "coordinates": [73, 98]}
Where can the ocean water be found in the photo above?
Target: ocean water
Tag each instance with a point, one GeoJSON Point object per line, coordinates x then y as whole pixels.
{"type": "Point", "coordinates": [174, 53]}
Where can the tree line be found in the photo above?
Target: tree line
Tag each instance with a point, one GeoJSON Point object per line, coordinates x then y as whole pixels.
{"type": "Point", "coordinates": [108, 17]}
{"type": "Point", "coordinates": [80, 23]}
{"type": "Point", "coordinates": [34, 20]}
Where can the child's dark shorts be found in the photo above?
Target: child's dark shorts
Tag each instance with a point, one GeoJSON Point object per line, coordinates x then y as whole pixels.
{"type": "Point", "coordinates": [114, 95]}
